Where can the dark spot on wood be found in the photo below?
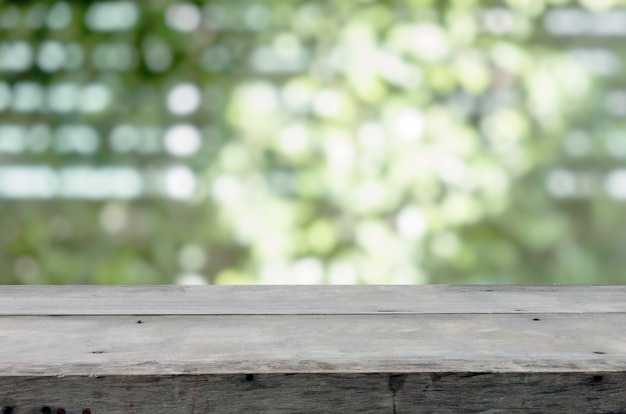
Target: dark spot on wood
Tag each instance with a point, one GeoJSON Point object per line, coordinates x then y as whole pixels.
{"type": "Point", "coordinates": [7, 410]}
{"type": "Point", "coordinates": [519, 310]}
{"type": "Point", "coordinates": [86, 411]}
{"type": "Point", "coordinates": [536, 319]}
{"type": "Point", "coordinates": [60, 411]}
{"type": "Point", "coordinates": [249, 378]}
{"type": "Point", "coordinates": [97, 352]}
{"type": "Point", "coordinates": [396, 382]}
{"type": "Point", "coordinates": [488, 290]}
{"type": "Point", "coordinates": [593, 380]}
{"type": "Point", "coordinates": [599, 352]}
{"type": "Point", "coordinates": [139, 321]}
{"type": "Point", "coordinates": [46, 410]}
{"type": "Point", "coordinates": [473, 374]}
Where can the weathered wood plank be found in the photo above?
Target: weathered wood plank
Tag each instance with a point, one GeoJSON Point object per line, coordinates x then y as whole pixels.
{"type": "Point", "coordinates": [313, 349]}
{"type": "Point", "coordinates": [207, 300]}
{"type": "Point", "coordinates": [197, 394]}
{"type": "Point", "coordinates": [453, 393]}
{"type": "Point", "coordinates": [232, 344]}
{"type": "Point", "coordinates": [435, 393]}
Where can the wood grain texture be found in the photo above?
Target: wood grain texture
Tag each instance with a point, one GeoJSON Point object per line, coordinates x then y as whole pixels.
{"type": "Point", "coordinates": [315, 300]}
{"type": "Point", "coordinates": [198, 394]}
{"type": "Point", "coordinates": [313, 349]}
{"type": "Point", "coordinates": [441, 393]}
{"type": "Point", "coordinates": [452, 393]}
{"type": "Point", "coordinates": [231, 344]}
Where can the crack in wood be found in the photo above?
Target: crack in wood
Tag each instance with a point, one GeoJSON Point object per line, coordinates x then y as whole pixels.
{"type": "Point", "coordinates": [396, 382]}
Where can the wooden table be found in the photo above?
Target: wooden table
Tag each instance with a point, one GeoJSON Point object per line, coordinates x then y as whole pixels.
{"type": "Point", "coordinates": [313, 349]}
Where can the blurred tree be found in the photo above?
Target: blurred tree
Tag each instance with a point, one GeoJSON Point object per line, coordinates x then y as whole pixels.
{"type": "Point", "coordinates": [412, 141]}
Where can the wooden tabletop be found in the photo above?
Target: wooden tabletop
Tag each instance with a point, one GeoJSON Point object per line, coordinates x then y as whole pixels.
{"type": "Point", "coordinates": [173, 330]}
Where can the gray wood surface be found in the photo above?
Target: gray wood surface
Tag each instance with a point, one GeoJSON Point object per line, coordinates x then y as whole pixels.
{"type": "Point", "coordinates": [446, 393]}
{"type": "Point", "coordinates": [321, 349]}
{"type": "Point", "coordinates": [228, 344]}
{"type": "Point", "coordinates": [221, 300]}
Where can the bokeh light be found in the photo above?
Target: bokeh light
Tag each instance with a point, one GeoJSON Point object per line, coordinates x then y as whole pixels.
{"type": "Point", "coordinates": [312, 142]}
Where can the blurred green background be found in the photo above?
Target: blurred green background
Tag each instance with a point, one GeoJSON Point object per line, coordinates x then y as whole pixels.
{"type": "Point", "coordinates": [273, 141]}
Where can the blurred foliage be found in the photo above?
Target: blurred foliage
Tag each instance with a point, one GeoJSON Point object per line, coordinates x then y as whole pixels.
{"type": "Point", "coordinates": [405, 141]}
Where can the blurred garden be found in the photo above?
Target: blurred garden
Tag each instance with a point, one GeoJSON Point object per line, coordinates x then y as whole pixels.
{"type": "Point", "coordinates": [312, 142]}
